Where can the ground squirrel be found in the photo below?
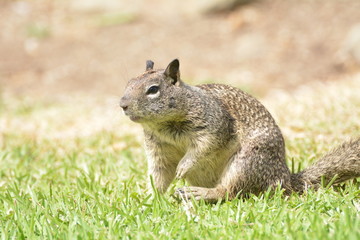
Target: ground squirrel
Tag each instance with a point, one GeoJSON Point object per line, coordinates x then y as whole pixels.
{"type": "Point", "coordinates": [220, 139]}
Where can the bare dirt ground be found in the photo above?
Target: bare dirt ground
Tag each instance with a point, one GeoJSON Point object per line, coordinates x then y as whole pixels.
{"type": "Point", "coordinates": [53, 48]}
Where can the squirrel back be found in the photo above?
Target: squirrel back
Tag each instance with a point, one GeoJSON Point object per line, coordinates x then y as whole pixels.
{"type": "Point", "coordinates": [221, 140]}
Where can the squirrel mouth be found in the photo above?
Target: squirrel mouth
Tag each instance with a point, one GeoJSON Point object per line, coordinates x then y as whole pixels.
{"type": "Point", "coordinates": [134, 118]}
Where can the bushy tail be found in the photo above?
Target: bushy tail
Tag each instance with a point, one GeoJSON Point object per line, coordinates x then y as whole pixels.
{"type": "Point", "coordinates": [341, 164]}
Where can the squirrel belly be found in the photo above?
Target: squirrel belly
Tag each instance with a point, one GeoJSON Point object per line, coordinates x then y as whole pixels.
{"type": "Point", "coordinates": [220, 139]}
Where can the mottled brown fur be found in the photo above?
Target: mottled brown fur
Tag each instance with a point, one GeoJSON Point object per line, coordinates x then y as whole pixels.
{"type": "Point", "coordinates": [220, 139]}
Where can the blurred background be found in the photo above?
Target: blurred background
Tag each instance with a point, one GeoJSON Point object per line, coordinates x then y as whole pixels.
{"type": "Point", "coordinates": [51, 48]}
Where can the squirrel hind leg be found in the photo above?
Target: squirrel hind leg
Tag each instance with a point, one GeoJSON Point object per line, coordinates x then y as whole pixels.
{"type": "Point", "coordinates": [210, 195]}
{"type": "Point", "coordinates": [256, 168]}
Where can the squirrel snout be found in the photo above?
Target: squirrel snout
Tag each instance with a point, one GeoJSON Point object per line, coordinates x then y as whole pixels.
{"type": "Point", "coordinates": [124, 108]}
{"type": "Point", "coordinates": [123, 104]}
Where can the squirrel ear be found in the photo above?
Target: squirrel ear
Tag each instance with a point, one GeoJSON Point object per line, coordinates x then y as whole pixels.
{"type": "Point", "coordinates": [149, 65]}
{"type": "Point", "coordinates": [172, 71]}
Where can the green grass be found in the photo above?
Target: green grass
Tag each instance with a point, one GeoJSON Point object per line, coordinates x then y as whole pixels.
{"type": "Point", "coordinates": [62, 190]}
{"type": "Point", "coordinates": [62, 184]}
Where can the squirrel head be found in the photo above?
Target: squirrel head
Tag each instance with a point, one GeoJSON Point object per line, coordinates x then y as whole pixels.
{"type": "Point", "coordinates": [155, 95]}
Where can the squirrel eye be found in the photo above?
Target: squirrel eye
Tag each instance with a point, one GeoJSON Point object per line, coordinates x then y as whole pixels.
{"type": "Point", "coordinates": [152, 90]}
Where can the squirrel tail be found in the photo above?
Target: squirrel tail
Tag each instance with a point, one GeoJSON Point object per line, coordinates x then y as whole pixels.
{"type": "Point", "coordinates": [340, 164]}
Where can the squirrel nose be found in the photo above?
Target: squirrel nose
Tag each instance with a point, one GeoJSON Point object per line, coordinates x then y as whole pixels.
{"type": "Point", "coordinates": [124, 108]}
{"type": "Point", "coordinates": [123, 104]}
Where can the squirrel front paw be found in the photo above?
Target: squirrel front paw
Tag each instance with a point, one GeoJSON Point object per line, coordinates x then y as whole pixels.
{"type": "Point", "coordinates": [183, 168]}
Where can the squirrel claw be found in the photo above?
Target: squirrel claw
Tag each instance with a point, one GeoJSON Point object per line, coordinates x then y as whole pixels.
{"type": "Point", "coordinates": [198, 193]}
{"type": "Point", "coordinates": [210, 195]}
{"type": "Point", "coordinates": [180, 173]}
{"type": "Point", "coordinates": [183, 168]}
{"type": "Point", "coordinates": [182, 194]}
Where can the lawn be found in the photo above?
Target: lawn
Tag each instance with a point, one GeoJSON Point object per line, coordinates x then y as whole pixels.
{"type": "Point", "coordinates": [74, 168]}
